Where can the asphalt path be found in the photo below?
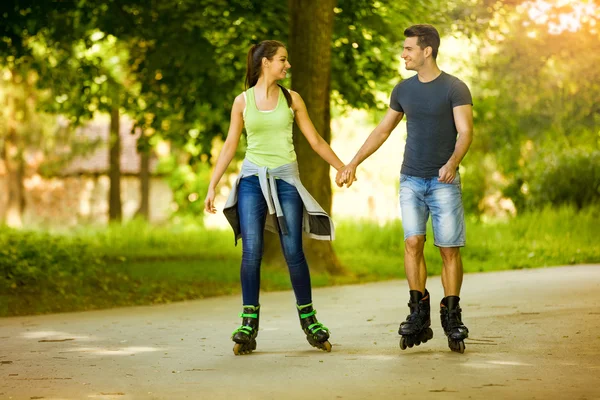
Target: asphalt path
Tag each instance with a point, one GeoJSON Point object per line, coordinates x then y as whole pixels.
{"type": "Point", "coordinates": [534, 334]}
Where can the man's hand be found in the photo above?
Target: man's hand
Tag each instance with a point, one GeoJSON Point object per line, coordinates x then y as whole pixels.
{"type": "Point", "coordinates": [209, 202]}
{"type": "Point", "coordinates": [346, 175]}
{"type": "Point", "coordinates": [447, 173]}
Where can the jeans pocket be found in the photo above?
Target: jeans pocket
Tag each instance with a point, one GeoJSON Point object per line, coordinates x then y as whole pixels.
{"type": "Point", "coordinates": [456, 180]}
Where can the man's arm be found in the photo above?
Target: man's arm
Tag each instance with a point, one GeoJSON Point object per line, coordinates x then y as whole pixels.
{"type": "Point", "coordinates": [463, 119]}
{"type": "Point", "coordinates": [373, 142]}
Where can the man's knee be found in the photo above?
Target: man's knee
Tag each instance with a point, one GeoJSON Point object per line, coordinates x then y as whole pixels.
{"type": "Point", "coordinates": [414, 245]}
{"type": "Point", "coordinates": [450, 253]}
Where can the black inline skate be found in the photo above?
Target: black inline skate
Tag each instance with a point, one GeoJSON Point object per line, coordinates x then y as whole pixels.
{"type": "Point", "coordinates": [316, 333]}
{"type": "Point", "coordinates": [416, 329]}
{"type": "Point", "coordinates": [450, 314]}
{"type": "Point", "coordinates": [245, 336]}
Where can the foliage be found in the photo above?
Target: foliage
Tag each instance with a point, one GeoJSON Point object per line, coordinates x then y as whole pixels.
{"type": "Point", "coordinates": [366, 46]}
{"type": "Point", "coordinates": [571, 177]}
{"type": "Point", "coordinates": [31, 260]}
{"type": "Point", "coordinates": [535, 98]}
{"type": "Point", "coordinates": [188, 183]}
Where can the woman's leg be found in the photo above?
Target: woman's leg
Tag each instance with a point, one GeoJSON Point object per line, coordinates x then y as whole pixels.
{"type": "Point", "coordinates": [291, 243]}
{"type": "Point", "coordinates": [293, 208]}
{"type": "Point", "coordinates": [252, 210]}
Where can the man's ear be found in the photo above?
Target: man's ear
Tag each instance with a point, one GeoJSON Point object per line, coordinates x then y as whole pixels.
{"type": "Point", "coordinates": [428, 51]}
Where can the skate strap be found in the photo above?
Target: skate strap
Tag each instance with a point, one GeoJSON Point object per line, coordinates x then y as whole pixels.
{"type": "Point", "coordinates": [310, 314]}
{"type": "Point", "coordinates": [242, 315]}
{"type": "Point", "coordinates": [316, 327]}
{"type": "Point", "coordinates": [244, 329]}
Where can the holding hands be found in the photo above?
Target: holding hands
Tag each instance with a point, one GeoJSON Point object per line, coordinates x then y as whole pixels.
{"type": "Point", "coordinates": [346, 175]}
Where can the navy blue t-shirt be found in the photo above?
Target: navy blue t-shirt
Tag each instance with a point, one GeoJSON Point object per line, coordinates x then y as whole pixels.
{"type": "Point", "coordinates": [430, 121]}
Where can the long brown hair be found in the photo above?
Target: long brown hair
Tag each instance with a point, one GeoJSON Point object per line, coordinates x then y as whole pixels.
{"type": "Point", "coordinates": [266, 48]}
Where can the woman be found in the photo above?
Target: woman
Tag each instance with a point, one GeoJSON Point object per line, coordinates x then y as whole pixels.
{"type": "Point", "coordinates": [268, 193]}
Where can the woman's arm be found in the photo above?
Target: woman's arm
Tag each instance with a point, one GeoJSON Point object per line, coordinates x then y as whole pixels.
{"type": "Point", "coordinates": [227, 152]}
{"type": "Point", "coordinates": [317, 143]}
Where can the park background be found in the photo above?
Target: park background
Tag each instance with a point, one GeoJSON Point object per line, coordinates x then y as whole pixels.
{"type": "Point", "coordinates": [113, 113]}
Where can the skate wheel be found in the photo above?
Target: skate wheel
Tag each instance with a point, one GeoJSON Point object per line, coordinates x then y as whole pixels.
{"type": "Point", "coordinates": [457, 346]}
{"type": "Point", "coordinates": [327, 346]}
{"type": "Point", "coordinates": [426, 335]}
{"type": "Point", "coordinates": [429, 334]}
{"type": "Point", "coordinates": [244, 348]}
{"type": "Point", "coordinates": [402, 343]}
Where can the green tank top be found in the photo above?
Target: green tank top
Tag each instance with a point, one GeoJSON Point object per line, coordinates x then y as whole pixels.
{"type": "Point", "coordinates": [269, 133]}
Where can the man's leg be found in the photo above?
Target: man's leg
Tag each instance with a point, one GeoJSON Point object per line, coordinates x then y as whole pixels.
{"type": "Point", "coordinates": [414, 219]}
{"type": "Point", "coordinates": [414, 263]}
{"type": "Point", "coordinates": [416, 328]}
{"type": "Point", "coordinates": [448, 220]}
{"type": "Point", "coordinates": [452, 272]}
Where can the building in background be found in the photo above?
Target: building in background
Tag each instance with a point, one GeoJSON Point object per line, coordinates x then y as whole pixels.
{"type": "Point", "coordinates": [78, 193]}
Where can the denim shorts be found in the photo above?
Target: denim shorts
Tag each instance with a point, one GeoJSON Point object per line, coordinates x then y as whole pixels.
{"type": "Point", "coordinates": [421, 196]}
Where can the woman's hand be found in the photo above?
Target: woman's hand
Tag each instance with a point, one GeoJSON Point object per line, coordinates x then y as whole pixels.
{"type": "Point", "coordinates": [346, 175]}
{"type": "Point", "coordinates": [209, 202]}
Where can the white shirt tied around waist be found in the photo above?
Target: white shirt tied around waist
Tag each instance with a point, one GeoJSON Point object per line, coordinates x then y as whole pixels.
{"type": "Point", "coordinates": [316, 223]}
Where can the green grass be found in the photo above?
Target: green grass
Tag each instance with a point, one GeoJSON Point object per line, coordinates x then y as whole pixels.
{"type": "Point", "coordinates": [543, 238]}
{"type": "Point", "coordinates": [141, 264]}
{"type": "Point", "coordinates": [137, 240]}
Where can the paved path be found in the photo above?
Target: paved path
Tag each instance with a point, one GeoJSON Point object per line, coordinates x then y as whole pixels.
{"type": "Point", "coordinates": [535, 334]}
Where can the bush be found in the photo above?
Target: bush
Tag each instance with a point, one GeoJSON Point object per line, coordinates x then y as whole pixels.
{"type": "Point", "coordinates": [189, 185]}
{"type": "Point", "coordinates": [30, 261]}
{"type": "Point", "coordinates": [475, 181]}
{"type": "Point", "coordinates": [569, 178]}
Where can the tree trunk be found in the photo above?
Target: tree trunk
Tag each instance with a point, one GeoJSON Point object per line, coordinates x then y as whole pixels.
{"type": "Point", "coordinates": [15, 171]}
{"type": "Point", "coordinates": [14, 162]}
{"type": "Point", "coordinates": [144, 210]}
{"type": "Point", "coordinates": [310, 55]}
{"type": "Point", "coordinates": [114, 196]}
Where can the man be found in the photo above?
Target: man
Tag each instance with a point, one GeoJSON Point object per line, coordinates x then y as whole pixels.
{"type": "Point", "coordinates": [438, 107]}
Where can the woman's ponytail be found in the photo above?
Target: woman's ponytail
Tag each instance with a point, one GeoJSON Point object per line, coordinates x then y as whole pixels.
{"type": "Point", "coordinates": [252, 72]}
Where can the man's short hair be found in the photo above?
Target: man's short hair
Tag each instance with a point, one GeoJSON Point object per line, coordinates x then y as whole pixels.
{"type": "Point", "coordinates": [427, 36]}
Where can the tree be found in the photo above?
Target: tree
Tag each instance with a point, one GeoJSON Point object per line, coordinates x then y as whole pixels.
{"type": "Point", "coordinates": [20, 23]}
{"type": "Point", "coordinates": [79, 68]}
{"type": "Point", "coordinates": [536, 106]}
{"type": "Point", "coordinates": [311, 29]}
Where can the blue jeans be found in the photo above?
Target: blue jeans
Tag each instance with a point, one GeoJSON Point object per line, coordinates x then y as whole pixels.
{"type": "Point", "coordinates": [421, 196]}
{"type": "Point", "coordinates": [252, 209]}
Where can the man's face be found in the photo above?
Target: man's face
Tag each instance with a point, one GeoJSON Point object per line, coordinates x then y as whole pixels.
{"type": "Point", "coordinates": [413, 55]}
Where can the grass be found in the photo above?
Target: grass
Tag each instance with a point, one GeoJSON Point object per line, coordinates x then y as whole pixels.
{"type": "Point", "coordinates": [536, 239]}
{"type": "Point", "coordinates": [149, 265]}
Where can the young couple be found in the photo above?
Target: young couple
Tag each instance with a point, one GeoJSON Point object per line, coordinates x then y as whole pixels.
{"type": "Point", "coordinates": [269, 194]}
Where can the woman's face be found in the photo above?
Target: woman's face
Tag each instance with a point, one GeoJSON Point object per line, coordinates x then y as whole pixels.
{"type": "Point", "coordinates": [277, 66]}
